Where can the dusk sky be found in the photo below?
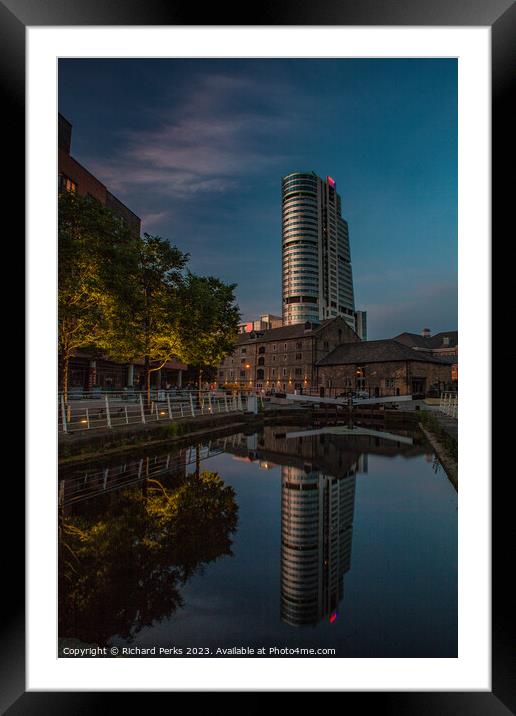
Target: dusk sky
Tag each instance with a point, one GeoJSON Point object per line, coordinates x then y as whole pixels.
{"type": "Point", "coordinates": [197, 149]}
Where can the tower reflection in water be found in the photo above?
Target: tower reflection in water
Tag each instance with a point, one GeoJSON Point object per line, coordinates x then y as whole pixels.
{"type": "Point", "coordinates": [316, 534]}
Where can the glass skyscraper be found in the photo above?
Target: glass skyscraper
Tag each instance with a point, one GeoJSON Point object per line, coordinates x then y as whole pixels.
{"type": "Point", "coordinates": [317, 281]}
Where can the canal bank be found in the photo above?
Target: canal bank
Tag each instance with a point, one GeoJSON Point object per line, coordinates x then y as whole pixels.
{"type": "Point", "coordinates": [89, 446]}
{"type": "Point", "coordinates": [442, 434]}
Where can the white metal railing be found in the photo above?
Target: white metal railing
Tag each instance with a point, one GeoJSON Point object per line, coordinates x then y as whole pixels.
{"type": "Point", "coordinates": [112, 409]}
{"type": "Point", "coordinates": [83, 484]}
{"type": "Point", "coordinates": [449, 404]}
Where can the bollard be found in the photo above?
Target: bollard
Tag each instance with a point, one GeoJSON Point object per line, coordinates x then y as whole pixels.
{"type": "Point", "coordinates": [142, 411]}
{"type": "Point", "coordinates": [226, 402]}
{"type": "Point", "coordinates": [88, 418]}
{"type": "Point", "coordinates": [169, 407]}
{"type": "Point", "coordinates": [126, 416]}
{"type": "Point", "coordinates": [192, 406]}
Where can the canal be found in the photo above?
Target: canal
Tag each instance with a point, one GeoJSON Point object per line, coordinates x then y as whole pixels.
{"type": "Point", "coordinates": [336, 541]}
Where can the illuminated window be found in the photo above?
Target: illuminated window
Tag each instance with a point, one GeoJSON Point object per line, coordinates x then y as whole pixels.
{"type": "Point", "coordinates": [66, 184]}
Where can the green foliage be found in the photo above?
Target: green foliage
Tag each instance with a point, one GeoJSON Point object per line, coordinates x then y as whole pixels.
{"type": "Point", "coordinates": [174, 430]}
{"type": "Point", "coordinates": [95, 251]}
{"type": "Point", "coordinates": [146, 324]}
{"type": "Point", "coordinates": [128, 296]}
{"type": "Point", "coordinates": [209, 320]}
{"type": "Point", "coordinates": [430, 422]}
{"type": "Point", "coordinates": [122, 568]}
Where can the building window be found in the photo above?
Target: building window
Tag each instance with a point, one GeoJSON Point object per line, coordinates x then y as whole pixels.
{"type": "Point", "coordinates": [284, 371]}
{"type": "Point", "coordinates": [299, 356]}
{"type": "Point", "coordinates": [243, 350]}
{"type": "Point", "coordinates": [66, 184]}
{"type": "Point", "coordinates": [261, 349]}
{"type": "Point", "coordinates": [260, 374]}
{"type": "Point", "coordinates": [242, 373]}
{"type": "Point", "coordinates": [261, 361]}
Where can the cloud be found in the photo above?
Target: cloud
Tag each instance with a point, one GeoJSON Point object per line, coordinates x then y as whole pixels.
{"type": "Point", "coordinates": [203, 146]}
{"type": "Point", "coordinates": [152, 218]}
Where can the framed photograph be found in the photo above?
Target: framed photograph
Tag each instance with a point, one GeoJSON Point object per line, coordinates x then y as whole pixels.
{"type": "Point", "coordinates": [244, 297]}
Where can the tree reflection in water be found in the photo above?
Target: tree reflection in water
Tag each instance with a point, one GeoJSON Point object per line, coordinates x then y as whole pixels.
{"type": "Point", "coordinates": [121, 567]}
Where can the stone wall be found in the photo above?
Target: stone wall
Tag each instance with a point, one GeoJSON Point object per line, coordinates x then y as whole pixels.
{"type": "Point", "coordinates": [387, 378]}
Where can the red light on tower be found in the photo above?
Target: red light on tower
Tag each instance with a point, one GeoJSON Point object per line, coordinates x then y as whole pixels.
{"type": "Point", "coordinates": [333, 617]}
{"type": "Point", "coordinates": [331, 181]}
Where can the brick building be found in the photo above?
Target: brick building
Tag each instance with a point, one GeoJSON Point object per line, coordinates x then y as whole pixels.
{"type": "Point", "coordinates": [283, 359]}
{"type": "Point", "coordinates": [444, 344]}
{"type": "Point", "coordinates": [86, 371]}
{"type": "Point", "coordinates": [385, 367]}
{"type": "Point", "coordinates": [72, 176]}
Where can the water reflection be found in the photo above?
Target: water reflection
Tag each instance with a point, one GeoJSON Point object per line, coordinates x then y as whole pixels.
{"type": "Point", "coordinates": [318, 474]}
{"type": "Point", "coordinates": [316, 533]}
{"type": "Point", "coordinates": [124, 558]}
{"type": "Point", "coordinates": [306, 567]}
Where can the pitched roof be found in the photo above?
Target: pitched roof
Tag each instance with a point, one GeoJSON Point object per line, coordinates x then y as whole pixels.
{"type": "Point", "coordinates": [415, 340]}
{"type": "Point", "coordinates": [453, 339]}
{"type": "Point", "coordinates": [296, 330]}
{"type": "Point", "coordinates": [377, 352]}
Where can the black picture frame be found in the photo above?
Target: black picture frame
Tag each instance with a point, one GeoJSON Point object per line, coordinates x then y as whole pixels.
{"type": "Point", "coordinates": [500, 15]}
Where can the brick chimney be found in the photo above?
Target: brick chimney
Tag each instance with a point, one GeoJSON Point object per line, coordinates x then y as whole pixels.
{"type": "Point", "coordinates": [426, 333]}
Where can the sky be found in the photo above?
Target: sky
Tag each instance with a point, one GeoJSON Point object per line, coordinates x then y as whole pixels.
{"type": "Point", "coordinates": [197, 148]}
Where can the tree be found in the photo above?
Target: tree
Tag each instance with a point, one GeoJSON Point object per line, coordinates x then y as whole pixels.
{"type": "Point", "coordinates": [95, 251]}
{"type": "Point", "coordinates": [209, 321]}
{"type": "Point", "coordinates": [146, 324]}
{"type": "Point", "coordinates": [124, 559]}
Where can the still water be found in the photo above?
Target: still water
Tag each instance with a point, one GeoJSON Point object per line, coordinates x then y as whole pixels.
{"type": "Point", "coordinates": [285, 538]}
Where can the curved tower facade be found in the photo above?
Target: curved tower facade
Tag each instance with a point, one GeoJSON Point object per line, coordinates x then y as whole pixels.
{"type": "Point", "coordinates": [317, 281]}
